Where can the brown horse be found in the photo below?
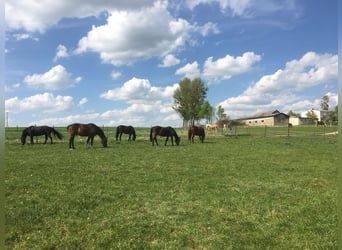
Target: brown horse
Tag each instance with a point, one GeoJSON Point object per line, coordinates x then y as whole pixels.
{"type": "Point", "coordinates": [90, 130]}
{"type": "Point", "coordinates": [320, 123]}
{"type": "Point", "coordinates": [165, 132]}
{"type": "Point", "coordinates": [38, 131]}
{"type": "Point", "coordinates": [122, 129]}
{"type": "Point", "coordinates": [196, 130]}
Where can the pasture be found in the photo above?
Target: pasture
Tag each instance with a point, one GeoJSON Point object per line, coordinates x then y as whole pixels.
{"type": "Point", "coordinates": [258, 189]}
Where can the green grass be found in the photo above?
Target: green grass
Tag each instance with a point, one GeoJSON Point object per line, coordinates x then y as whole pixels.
{"type": "Point", "coordinates": [232, 192]}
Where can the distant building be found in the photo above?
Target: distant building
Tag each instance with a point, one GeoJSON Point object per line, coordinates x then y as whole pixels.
{"type": "Point", "coordinates": [320, 114]}
{"type": "Point", "coordinates": [295, 121]}
{"type": "Point", "coordinates": [268, 118]}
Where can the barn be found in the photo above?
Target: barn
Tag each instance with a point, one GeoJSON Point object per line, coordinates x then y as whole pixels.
{"type": "Point", "coordinates": [268, 118]}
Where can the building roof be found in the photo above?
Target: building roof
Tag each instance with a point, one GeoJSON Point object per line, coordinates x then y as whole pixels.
{"type": "Point", "coordinates": [263, 114]}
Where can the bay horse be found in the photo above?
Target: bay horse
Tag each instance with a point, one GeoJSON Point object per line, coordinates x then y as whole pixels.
{"type": "Point", "coordinates": [38, 131]}
{"type": "Point", "coordinates": [122, 129]}
{"type": "Point", "coordinates": [90, 130]}
{"type": "Point", "coordinates": [196, 130]}
{"type": "Point", "coordinates": [164, 132]}
{"type": "Point", "coordinates": [320, 123]}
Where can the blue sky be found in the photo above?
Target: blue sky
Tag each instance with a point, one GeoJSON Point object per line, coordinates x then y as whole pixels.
{"type": "Point", "coordinates": [118, 62]}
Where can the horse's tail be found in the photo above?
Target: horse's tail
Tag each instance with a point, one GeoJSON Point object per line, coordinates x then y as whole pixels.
{"type": "Point", "coordinates": [117, 132]}
{"type": "Point", "coordinates": [151, 130]}
{"type": "Point", "coordinates": [134, 134]}
{"type": "Point", "coordinates": [189, 133]}
{"type": "Point", "coordinates": [56, 133]}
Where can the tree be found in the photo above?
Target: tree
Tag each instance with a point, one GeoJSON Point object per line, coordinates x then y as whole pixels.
{"type": "Point", "coordinates": [291, 113]}
{"type": "Point", "coordinates": [312, 116]}
{"type": "Point", "coordinates": [189, 98]}
{"type": "Point", "coordinates": [220, 113]}
{"type": "Point", "coordinates": [207, 112]}
{"type": "Point", "coordinates": [325, 102]}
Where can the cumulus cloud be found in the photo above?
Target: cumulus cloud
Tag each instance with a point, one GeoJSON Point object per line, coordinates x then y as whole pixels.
{"type": "Point", "coordinates": [56, 78]}
{"type": "Point", "coordinates": [221, 69]}
{"type": "Point", "coordinates": [140, 91]}
{"type": "Point", "coordinates": [61, 52]}
{"type": "Point", "coordinates": [279, 90]}
{"type": "Point", "coordinates": [238, 7]}
{"type": "Point", "coordinates": [132, 35]}
{"type": "Point", "coordinates": [33, 17]}
{"type": "Point", "coordinates": [228, 66]}
{"type": "Point", "coordinates": [145, 103]}
{"type": "Point", "coordinates": [46, 103]}
{"type": "Point", "coordinates": [169, 61]}
{"type": "Point", "coordinates": [190, 70]}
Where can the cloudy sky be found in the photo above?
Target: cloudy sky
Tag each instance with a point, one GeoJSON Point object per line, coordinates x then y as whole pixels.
{"type": "Point", "coordinates": [119, 61]}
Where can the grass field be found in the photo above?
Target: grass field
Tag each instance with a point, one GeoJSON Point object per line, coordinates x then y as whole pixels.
{"type": "Point", "coordinates": [248, 191]}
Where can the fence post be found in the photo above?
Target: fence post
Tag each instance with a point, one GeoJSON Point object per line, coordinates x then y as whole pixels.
{"type": "Point", "coordinates": [265, 130]}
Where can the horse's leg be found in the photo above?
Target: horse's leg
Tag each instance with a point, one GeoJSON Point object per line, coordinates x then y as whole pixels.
{"type": "Point", "coordinates": [50, 138]}
{"type": "Point", "coordinates": [167, 138]}
{"type": "Point", "coordinates": [31, 139]}
{"type": "Point", "coordinates": [71, 142]}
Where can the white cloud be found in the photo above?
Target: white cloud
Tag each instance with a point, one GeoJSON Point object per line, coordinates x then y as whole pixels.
{"type": "Point", "coordinates": [33, 16]}
{"type": "Point", "coordinates": [115, 75]}
{"type": "Point", "coordinates": [221, 69]}
{"type": "Point", "coordinates": [132, 35]}
{"type": "Point", "coordinates": [169, 61]}
{"type": "Point", "coordinates": [190, 70]}
{"type": "Point", "coordinates": [238, 7]}
{"type": "Point", "coordinates": [61, 52]}
{"type": "Point", "coordinates": [46, 103]}
{"type": "Point", "coordinates": [280, 89]}
{"type": "Point", "coordinates": [228, 66]}
{"type": "Point", "coordinates": [83, 101]}
{"type": "Point", "coordinates": [147, 104]}
{"type": "Point", "coordinates": [140, 91]}
{"type": "Point", "coordinates": [24, 36]}
{"type": "Point", "coordinates": [56, 78]}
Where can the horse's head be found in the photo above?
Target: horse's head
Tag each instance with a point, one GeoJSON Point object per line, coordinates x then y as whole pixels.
{"type": "Point", "coordinates": [23, 139]}
{"type": "Point", "coordinates": [177, 141]}
{"type": "Point", "coordinates": [104, 142]}
{"type": "Point", "coordinates": [23, 136]}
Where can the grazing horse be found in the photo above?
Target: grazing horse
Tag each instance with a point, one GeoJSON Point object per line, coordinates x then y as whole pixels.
{"type": "Point", "coordinates": [90, 130]}
{"type": "Point", "coordinates": [163, 131]}
{"type": "Point", "coordinates": [126, 130]}
{"type": "Point", "coordinates": [37, 131]}
{"type": "Point", "coordinates": [196, 130]}
{"type": "Point", "coordinates": [320, 123]}
{"type": "Point", "coordinates": [211, 126]}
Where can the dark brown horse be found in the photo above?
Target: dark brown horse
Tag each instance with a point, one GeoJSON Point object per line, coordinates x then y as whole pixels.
{"type": "Point", "coordinates": [164, 132]}
{"type": "Point", "coordinates": [90, 130]}
{"type": "Point", "coordinates": [122, 129]}
{"type": "Point", "coordinates": [38, 131]}
{"type": "Point", "coordinates": [320, 123]}
{"type": "Point", "coordinates": [196, 130]}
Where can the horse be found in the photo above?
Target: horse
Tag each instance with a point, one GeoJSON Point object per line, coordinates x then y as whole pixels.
{"type": "Point", "coordinates": [211, 126]}
{"type": "Point", "coordinates": [320, 123]}
{"type": "Point", "coordinates": [196, 130]}
{"type": "Point", "coordinates": [37, 131]}
{"type": "Point", "coordinates": [126, 130]}
{"type": "Point", "coordinates": [163, 131]}
{"type": "Point", "coordinates": [90, 130]}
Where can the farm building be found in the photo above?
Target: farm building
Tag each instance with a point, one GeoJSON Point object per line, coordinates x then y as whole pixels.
{"type": "Point", "coordinates": [269, 118]}
{"type": "Point", "coordinates": [320, 114]}
{"type": "Point", "coordinates": [295, 121]}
